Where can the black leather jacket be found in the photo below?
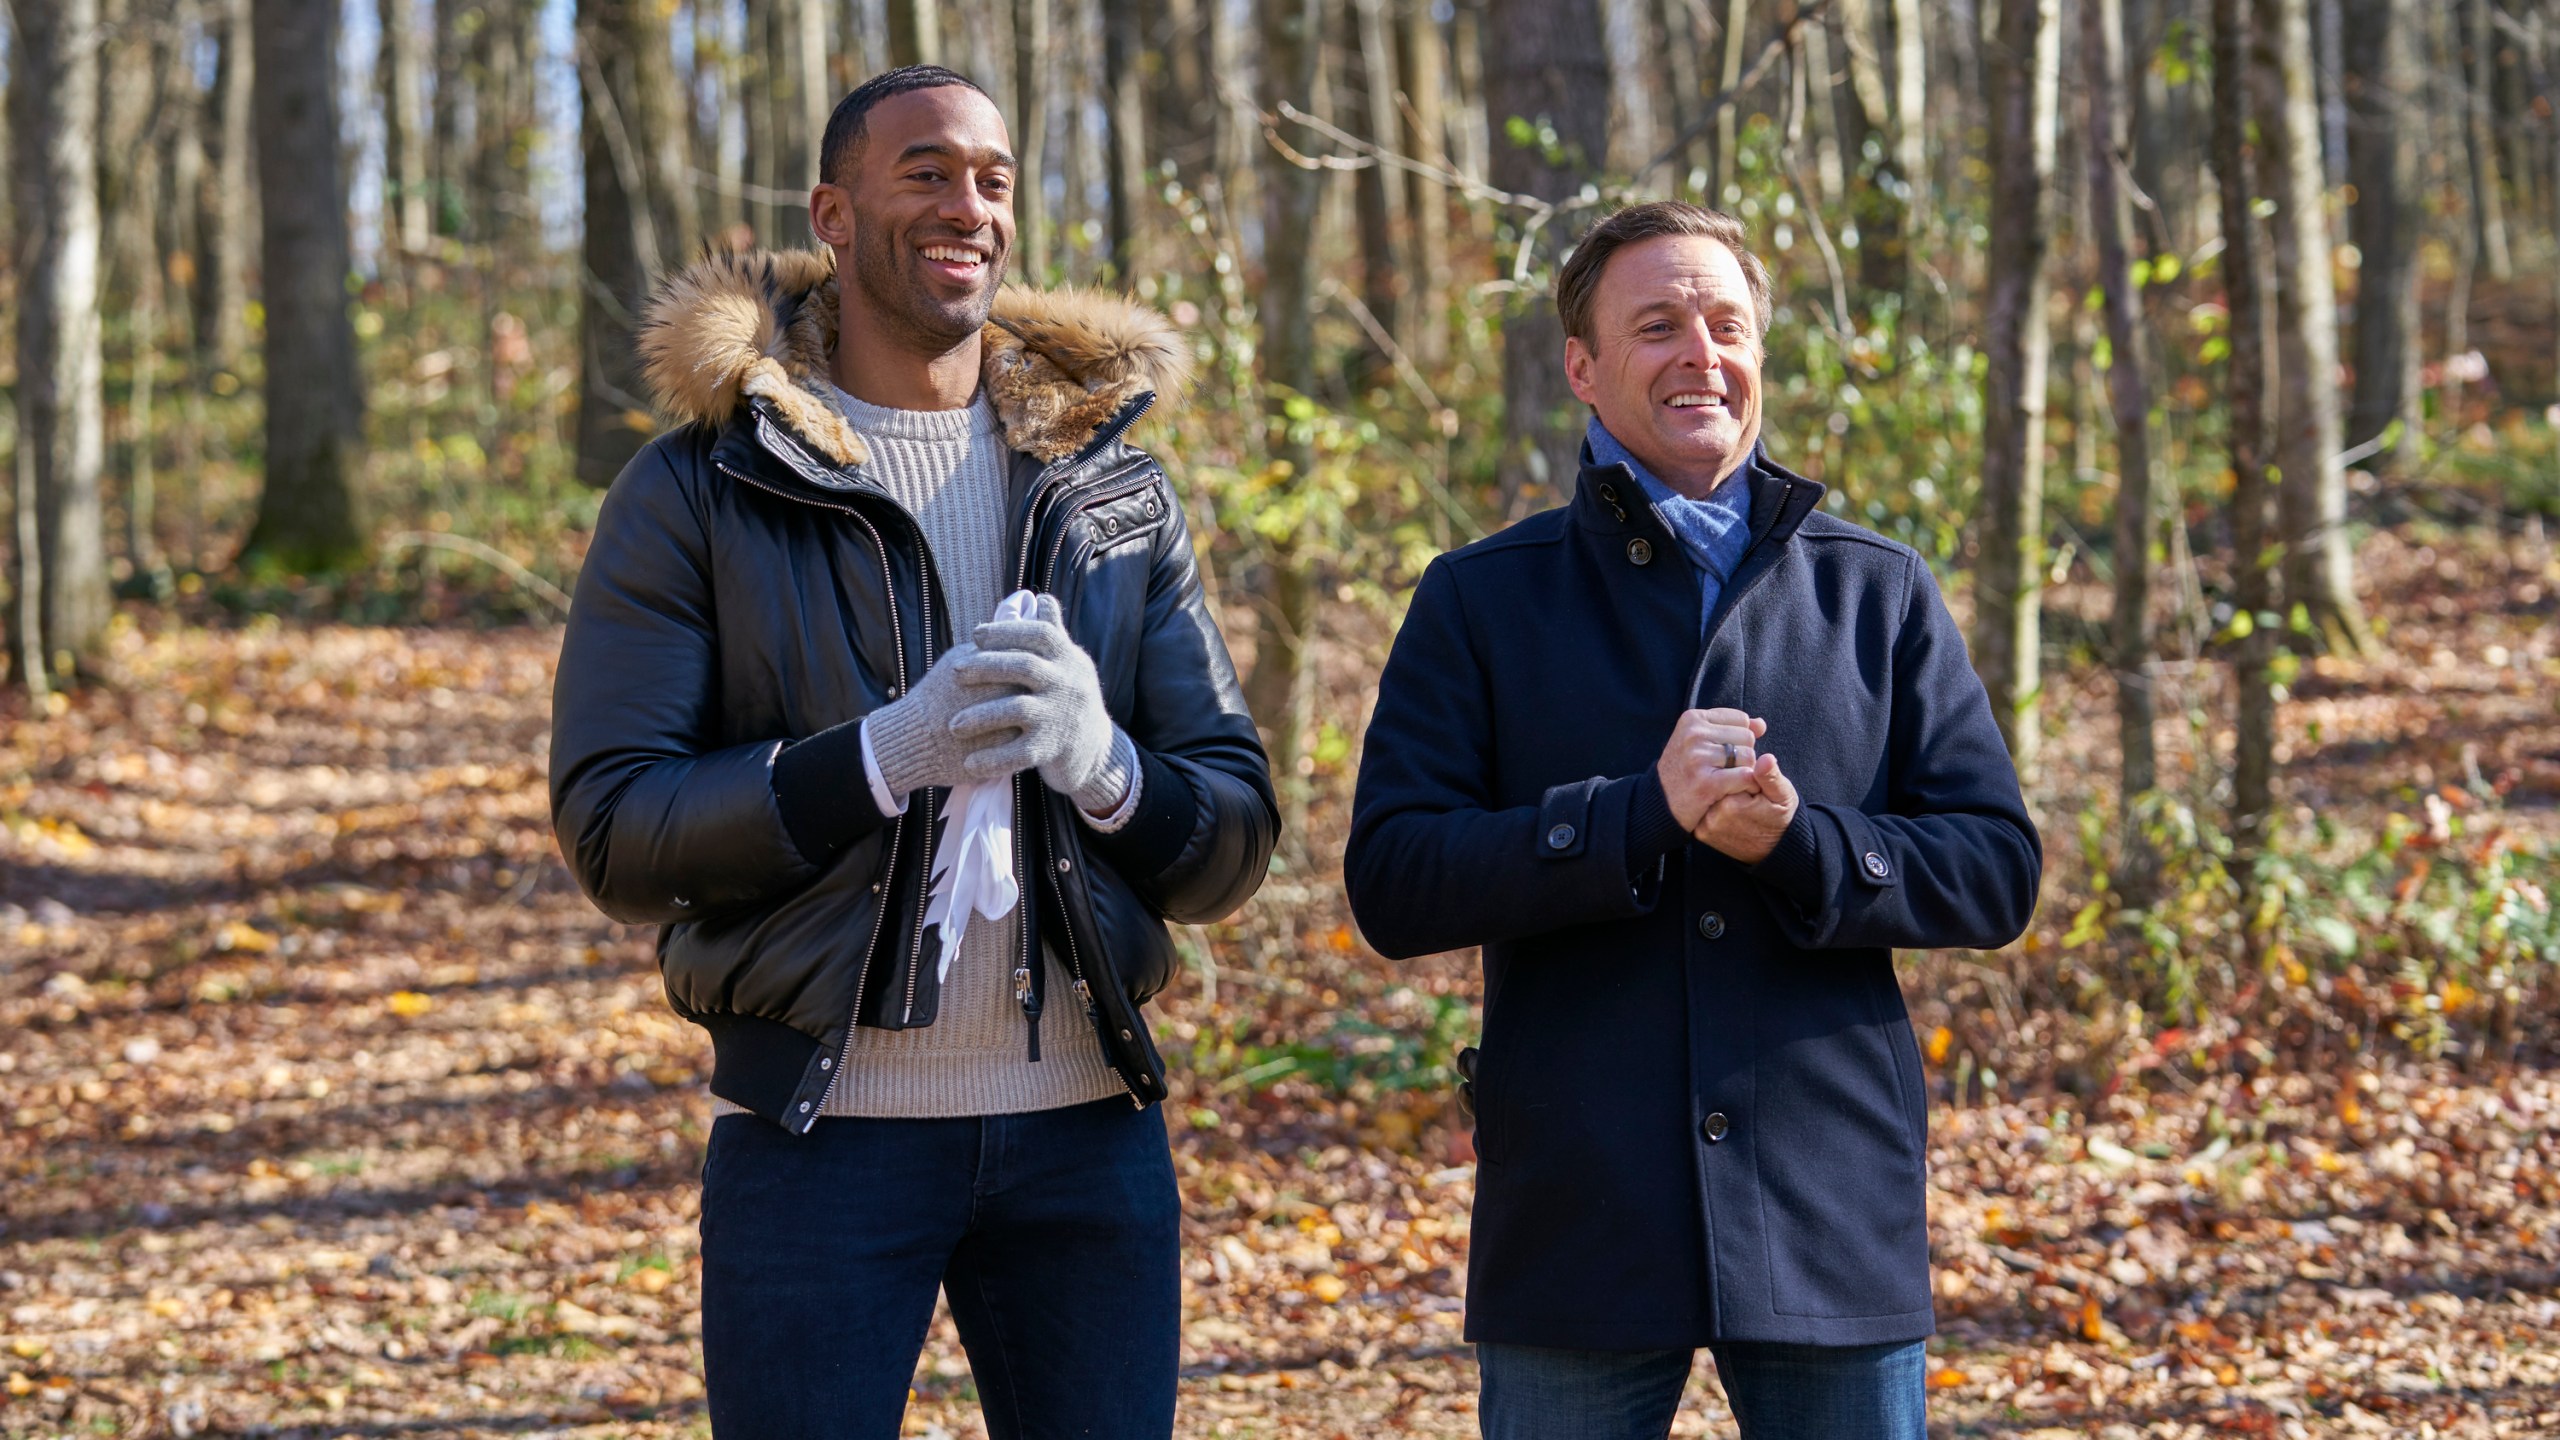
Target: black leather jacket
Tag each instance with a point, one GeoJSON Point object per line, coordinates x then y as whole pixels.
{"type": "Point", "coordinates": [750, 595]}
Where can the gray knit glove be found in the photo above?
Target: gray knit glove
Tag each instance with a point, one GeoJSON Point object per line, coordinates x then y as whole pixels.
{"type": "Point", "coordinates": [913, 738]}
{"type": "Point", "coordinates": [1058, 722]}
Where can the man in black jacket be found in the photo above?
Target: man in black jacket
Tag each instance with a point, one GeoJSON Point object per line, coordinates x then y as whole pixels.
{"type": "Point", "coordinates": [778, 664]}
{"type": "Point", "coordinates": [1690, 758]}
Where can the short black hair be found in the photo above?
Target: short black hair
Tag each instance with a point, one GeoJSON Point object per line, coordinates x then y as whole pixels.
{"type": "Point", "coordinates": [845, 127]}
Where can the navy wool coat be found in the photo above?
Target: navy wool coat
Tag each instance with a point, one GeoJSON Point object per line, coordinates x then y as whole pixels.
{"type": "Point", "coordinates": [1699, 1111]}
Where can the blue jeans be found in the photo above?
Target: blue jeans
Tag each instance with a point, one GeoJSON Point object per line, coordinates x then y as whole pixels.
{"type": "Point", "coordinates": [1056, 1235]}
{"type": "Point", "coordinates": [1778, 1392]}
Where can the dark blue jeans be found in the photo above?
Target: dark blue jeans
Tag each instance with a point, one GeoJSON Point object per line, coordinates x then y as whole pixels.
{"type": "Point", "coordinates": [1056, 1234]}
{"type": "Point", "coordinates": [1778, 1392]}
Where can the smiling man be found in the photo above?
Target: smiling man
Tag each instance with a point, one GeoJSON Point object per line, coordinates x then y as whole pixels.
{"type": "Point", "coordinates": [779, 663]}
{"type": "Point", "coordinates": [1690, 758]}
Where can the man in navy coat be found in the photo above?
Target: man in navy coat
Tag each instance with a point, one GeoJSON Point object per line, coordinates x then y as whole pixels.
{"type": "Point", "coordinates": [1690, 758]}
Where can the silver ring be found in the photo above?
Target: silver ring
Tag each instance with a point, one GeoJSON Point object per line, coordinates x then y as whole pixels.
{"type": "Point", "coordinates": [1732, 757]}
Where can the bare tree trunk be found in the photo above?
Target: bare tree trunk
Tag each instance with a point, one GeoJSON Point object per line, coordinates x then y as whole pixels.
{"type": "Point", "coordinates": [1862, 113]}
{"type": "Point", "coordinates": [915, 32]}
{"type": "Point", "coordinates": [2488, 202]}
{"type": "Point", "coordinates": [2129, 386]}
{"type": "Point", "coordinates": [223, 331]}
{"type": "Point", "coordinates": [308, 511]}
{"type": "Point", "coordinates": [626, 130]}
{"type": "Point", "coordinates": [1379, 191]}
{"type": "Point", "coordinates": [1911, 105]}
{"type": "Point", "coordinates": [1276, 692]}
{"type": "Point", "coordinates": [1627, 33]}
{"type": "Point", "coordinates": [1423, 57]}
{"type": "Point", "coordinates": [448, 157]}
{"type": "Point", "coordinates": [1721, 171]}
{"type": "Point", "coordinates": [404, 139]}
{"type": "Point", "coordinates": [61, 597]}
{"type": "Point", "coordinates": [2382, 88]}
{"type": "Point", "coordinates": [1682, 54]}
{"type": "Point", "coordinates": [2024, 62]}
{"type": "Point", "coordinates": [764, 169]}
{"type": "Point", "coordinates": [1031, 136]}
{"type": "Point", "coordinates": [1124, 51]}
{"type": "Point", "coordinates": [2165, 123]}
{"type": "Point", "coordinates": [2248, 289]}
{"type": "Point", "coordinates": [2319, 565]}
{"type": "Point", "coordinates": [1543, 61]}
{"type": "Point", "coordinates": [144, 86]}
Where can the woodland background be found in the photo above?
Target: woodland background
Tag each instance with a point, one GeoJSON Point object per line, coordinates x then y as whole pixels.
{"type": "Point", "coordinates": [2206, 347]}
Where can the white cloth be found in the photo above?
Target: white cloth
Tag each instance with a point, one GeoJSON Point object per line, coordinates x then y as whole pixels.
{"type": "Point", "coordinates": [973, 866]}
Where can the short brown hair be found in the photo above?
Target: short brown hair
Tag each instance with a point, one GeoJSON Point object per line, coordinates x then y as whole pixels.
{"type": "Point", "coordinates": [1579, 281]}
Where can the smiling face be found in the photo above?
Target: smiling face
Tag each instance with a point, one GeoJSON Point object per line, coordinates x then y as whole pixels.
{"type": "Point", "coordinates": [923, 225]}
{"type": "Point", "coordinates": [1672, 363]}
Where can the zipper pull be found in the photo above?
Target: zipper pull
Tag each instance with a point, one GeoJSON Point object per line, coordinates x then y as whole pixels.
{"type": "Point", "coordinates": [1084, 993]}
{"type": "Point", "coordinates": [1022, 995]}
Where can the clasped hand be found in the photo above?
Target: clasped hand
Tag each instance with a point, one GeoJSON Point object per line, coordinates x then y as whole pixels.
{"type": "Point", "coordinates": [1723, 791]}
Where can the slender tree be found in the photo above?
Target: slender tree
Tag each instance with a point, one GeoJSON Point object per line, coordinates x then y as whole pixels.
{"type": "Point", "coordinates": [2129, 387]}
{"type": "Point", "coordinates": [1544, 67]}
{"type": "Point", "coordinates": [2319, 563]}
{"type": "Point", "coordinates": [2474, 85]}
{"type": "Point", "coordinates": [231, 201]}
{"type": "Point", "coordinates": [1422, 56]}
{"type": "Point", "coordinates": [2382, 90]}
{"type": "Point", "coordinates": [915, 32]}
{"type": "Point", "coordinates": [1031, 136]}
{"type": "Point", "coordinates": [1292, 48]}
{"type": "Point", "coordinates": [2024, 62]}
{"type": "Point", "coordinates": [61, 593]}
{"type": "Point", "coordinates": [307, 512]}
{"type": "Point", "coordinates": [635, 220]}
{"type": "Point", "coordinates": [2248, 288]}
{"type": "Point", "coordinates": [1124, 65]}
{"type": "Point", "coordinates": [1378, 198]}
{"type": "Point", "coordinates": [400, 72]}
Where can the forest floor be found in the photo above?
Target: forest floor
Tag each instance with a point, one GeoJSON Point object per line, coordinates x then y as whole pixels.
{"type": "Point", "coordinates": [331, 1109]}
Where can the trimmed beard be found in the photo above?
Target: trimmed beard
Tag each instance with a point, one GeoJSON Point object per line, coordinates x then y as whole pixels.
{"type": "Point", "coordinates": [897, 294]}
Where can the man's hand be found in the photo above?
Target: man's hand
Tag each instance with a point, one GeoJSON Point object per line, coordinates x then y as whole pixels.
{"type": "Point", "coordinates": [1053, 719]}
{"type": "Point", "coordinates": [1746, 822]}
{"type": "Point", "coordinates": [1710, 753]}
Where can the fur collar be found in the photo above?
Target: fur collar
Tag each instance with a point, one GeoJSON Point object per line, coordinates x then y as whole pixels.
{"type": "Point", "coordinates": [1059, 363]}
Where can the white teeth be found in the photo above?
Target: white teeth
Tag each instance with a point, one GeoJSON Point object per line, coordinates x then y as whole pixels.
{"type": "Point", "coordinates": [1693, 399]}
{"type": "Point", "coordinates": [946, 252]}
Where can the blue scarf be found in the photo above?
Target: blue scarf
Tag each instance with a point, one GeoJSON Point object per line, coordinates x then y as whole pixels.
{"type": "Point", "coordinates": [1713, 532]}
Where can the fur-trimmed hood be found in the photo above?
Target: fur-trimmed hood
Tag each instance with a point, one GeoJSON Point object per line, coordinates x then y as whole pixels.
{"type": "Point", "coordinates": [1059, 363]}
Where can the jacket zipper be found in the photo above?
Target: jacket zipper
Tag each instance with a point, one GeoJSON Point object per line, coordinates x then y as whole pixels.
{"type": "Point", "coordinates": [897, 831]}
{"type": "Point", "coordinates": [1022, 976]}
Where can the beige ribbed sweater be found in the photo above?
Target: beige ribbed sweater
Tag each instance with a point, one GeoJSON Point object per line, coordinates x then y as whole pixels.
{"type": "Point", "coordinates": [948, 468]}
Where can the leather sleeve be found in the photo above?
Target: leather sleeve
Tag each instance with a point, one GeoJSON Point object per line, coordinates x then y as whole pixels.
{"type": "Point", "coordinates": [660, 822]}
{"type": "Point", "coordinates": [1201, 841]}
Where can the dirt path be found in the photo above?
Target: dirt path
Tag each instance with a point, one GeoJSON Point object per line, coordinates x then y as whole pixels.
{"type": "Point", "coordinates": [332, 1110]}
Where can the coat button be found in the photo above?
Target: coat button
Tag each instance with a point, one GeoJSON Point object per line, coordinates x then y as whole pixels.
{"type": "Point", "coordinates": [804, 1107]}
{"type": "Point", "coordinates": [1715, 1127]}
{"type": "Point", "coordinates": [1559, 837]}
{"type": "Point", "coordinates": [1111, 525]}
{"type": "Point", "coordinates": [1876, 866]}
{"type": "Point", "coordinates": [1711, 925]}
{"type": "Point", "coordinates": [826, 1062]}
{"type": "Point", "coordinates": [1065, 865]}
{"type": "Point", "coordinates": [1640, 551]}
